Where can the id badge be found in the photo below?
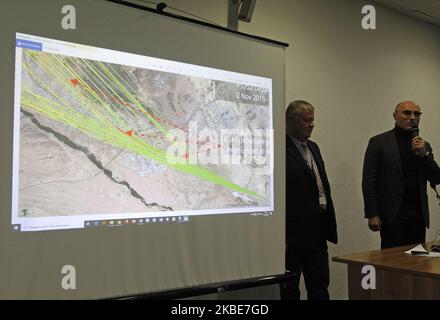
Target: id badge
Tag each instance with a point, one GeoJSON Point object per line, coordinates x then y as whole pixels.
{"type": "Point", "coordinates": [322, 202]}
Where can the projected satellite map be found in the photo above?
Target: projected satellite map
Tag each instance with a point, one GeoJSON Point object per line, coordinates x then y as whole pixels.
{"type": "Point", "coordinates": [94, 137]}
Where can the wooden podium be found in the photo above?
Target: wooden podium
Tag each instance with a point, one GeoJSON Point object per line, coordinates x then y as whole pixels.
{"type": "Point", "coordinates": [398, 275]}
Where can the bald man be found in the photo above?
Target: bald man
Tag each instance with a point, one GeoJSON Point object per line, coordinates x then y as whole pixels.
{"type": "Point", "coordinates": [397, 166]}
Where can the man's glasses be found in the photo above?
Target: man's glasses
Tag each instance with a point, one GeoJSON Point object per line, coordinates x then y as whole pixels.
{"type": "Point", "coordinates": [415, 113]}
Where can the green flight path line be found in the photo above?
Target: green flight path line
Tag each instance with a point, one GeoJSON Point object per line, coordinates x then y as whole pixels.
{"type": "Point", "coordinates": [102, 117]}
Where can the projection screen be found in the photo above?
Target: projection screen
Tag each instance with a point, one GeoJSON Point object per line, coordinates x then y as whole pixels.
{"type": "Point", "coordinates": [140, 153]}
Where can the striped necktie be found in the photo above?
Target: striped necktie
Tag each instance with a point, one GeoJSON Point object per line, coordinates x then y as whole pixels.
{"type": "Point", "coordinates": [312, 165]}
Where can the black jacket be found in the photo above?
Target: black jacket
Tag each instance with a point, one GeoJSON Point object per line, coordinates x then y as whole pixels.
{"type": "Point", "coordinates": [382, 184]}
{"type": "Point", "coordinates": [306, 226]}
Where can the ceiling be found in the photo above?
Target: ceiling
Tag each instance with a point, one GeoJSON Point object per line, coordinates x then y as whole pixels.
{"type": "Point", "coordinates": [426, 10]}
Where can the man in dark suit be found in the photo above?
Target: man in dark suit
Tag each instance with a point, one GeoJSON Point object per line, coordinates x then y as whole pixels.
{"type": "Point", "coordinates": [310, 216]}
{"type": "Point", "coordinates": [397, 166]}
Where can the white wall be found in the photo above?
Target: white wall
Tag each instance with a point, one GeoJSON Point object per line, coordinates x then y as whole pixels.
{"type": "Point", "coordinates": [354, 78]}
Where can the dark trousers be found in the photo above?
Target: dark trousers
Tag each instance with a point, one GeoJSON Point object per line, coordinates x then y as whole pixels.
{"type": "Point", "coordinates": [314, 265]}
{"type": "Point", "coordinates": [403, 231]}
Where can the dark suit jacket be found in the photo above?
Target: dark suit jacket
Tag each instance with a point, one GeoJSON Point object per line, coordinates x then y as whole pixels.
{"type": "Point", "coordinates": [382, 184]}
{"type": "Point", "coordinates": [306, 226]}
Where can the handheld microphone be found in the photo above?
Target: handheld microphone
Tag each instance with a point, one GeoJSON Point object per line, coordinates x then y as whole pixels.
{"type": "Point", "coordinates": [414, 132]}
